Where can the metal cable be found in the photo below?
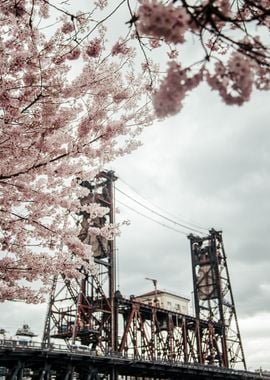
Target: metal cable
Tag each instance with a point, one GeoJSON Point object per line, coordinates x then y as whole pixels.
{"type": "Point", "coordinates": [196, 225]}
{"type": "Point", "coordinates": [158, 214]}
{"type": "Point", "coordinates": [153, 220]}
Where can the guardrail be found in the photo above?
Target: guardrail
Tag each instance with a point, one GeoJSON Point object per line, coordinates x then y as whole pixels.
{"type": "Point", "coordinates": [26, 345]}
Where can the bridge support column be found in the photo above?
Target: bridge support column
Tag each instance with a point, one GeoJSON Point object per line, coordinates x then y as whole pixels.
{"type": "Point", "coordinates": [16, 373]}
{"type": "Point", "coordinates": [114, 374]}
{"type": "Point", "coordinates": [69, 373]}
{"type": "Point", "coordinates": [43, 374]}
{"type": "Point", "coordinates": [65, 374]}
{"type": "Point", "coordinates": [89, 374]}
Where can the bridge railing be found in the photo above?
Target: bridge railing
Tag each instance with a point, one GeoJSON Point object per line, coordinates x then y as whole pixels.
{"type": "Point", "coordinates": [26, 345]}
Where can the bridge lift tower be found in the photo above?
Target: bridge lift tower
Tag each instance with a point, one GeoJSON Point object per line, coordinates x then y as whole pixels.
{"type": "Point", "coordinates": [214, 300]}
{"type": "Point", "coordinates": [83, 312]}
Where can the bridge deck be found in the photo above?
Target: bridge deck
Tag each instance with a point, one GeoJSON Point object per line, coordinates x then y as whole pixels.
{"type": "Point", "coordinates": [60, 360]}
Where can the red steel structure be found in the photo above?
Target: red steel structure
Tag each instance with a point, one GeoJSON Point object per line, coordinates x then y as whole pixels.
{"type": "Point", "coordinates": [84, 311]}
{"type": "Point", "coordinates": [214, 300]}
{"type": "Point", "coordinates": [92, 313]}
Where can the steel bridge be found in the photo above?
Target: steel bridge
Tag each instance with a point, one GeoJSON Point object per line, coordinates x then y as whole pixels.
{"type": "Point", "coordinates": [38, 363]}
{"type": "Point", "coordinates": [106, 336]}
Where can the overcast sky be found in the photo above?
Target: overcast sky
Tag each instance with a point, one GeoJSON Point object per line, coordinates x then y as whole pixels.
{"type": "Point", "coordinates": [209, 165]}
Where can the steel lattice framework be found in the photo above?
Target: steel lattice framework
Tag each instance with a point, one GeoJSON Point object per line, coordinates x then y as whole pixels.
{"type": "Point", "coordinates": [84, 310]}
{"type": "Point", "coordinates": [91, 312]}
{"type": "Point", "coordinates": [214, 300]}
{"type": "Point", "coordinates": [156, 334]}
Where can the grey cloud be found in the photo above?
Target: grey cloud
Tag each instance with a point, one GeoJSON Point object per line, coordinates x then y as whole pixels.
{"type": "Point", "coordinates": [210, 164]}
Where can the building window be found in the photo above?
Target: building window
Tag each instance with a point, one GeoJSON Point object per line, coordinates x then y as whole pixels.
{"type": "Point", "coordinates": [178, 307]}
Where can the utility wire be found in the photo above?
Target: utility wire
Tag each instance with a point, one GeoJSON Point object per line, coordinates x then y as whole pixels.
{"type": "Point", "coordinates": [153, 220]}
{"type": "Point", "coordinates": [196, 225]}
{"type": "Point", "coordinates": [157, 213]}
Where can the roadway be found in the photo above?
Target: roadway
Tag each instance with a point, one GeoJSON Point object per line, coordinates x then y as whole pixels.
{"type": "Point", "coordinates": [61, 363]}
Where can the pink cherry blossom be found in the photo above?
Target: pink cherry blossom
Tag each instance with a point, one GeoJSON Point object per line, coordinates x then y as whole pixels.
{"type": "Point", "coordinates": [233, 81]}
{"type": "Point", "coordinates": [101, 3]}
{"type": "Point", "coordinates": [62, 119]}
{"type": "Point", "coordinates": [120, 48]}
{"type": "Point", "coordinates": [68, 27]}
{"type": "Point", "coordinates": [168, 99]}
{"type": "Point", "coordinates": [224, 31]}
{"type": "Point", "coordinates": [94, 48]}
{"type": "Point", "coordinates": [166, 21]}
{"type": "Point", "coordinates": [74, 54]}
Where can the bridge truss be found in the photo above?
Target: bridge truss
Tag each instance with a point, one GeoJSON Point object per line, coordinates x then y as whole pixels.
{"type": "Point", "coordinates": [92, 314]}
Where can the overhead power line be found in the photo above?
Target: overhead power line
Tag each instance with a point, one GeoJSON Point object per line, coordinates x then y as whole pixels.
{"type": "Point", "coordinates": [157, 213]}
{"type": "Point", "coordinates": [153, 220]}
{"type": "Point", "coordinates": [184, 220]}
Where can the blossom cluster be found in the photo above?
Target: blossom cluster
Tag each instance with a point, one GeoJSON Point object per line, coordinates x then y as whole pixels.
{"type": "Point", "coordinates": [67, 27]}
{"type": "Point", "coordinates": [168, 99]}
{"type": "Point", "coordinates": [162, 21]}
{"type": "Point", "coordinates": [233, 81]}
{"type": "Point", "coordinates": [120, 48]}
{"type": "Point", "coordinates": [94, 48]}
{"type": "Point", "coordinates": [234, 58]}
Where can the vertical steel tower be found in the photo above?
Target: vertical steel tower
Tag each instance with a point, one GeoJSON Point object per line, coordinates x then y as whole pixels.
{"type": "Point", "coordinates": [221, 342]}
{"type": "Point", "coordinates": [83, 312]}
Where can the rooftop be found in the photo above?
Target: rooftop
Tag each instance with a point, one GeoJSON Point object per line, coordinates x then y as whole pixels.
{"type": "Point", "coordinates": [160, 292]}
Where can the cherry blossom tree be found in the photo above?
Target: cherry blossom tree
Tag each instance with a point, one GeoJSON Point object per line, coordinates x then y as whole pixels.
{"type": "Point", "coordinates": [73, 98]}
{"type": "Point", "coordinates": [69, 105]}
{"type": "Point", "coordinates": [230, 39]}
